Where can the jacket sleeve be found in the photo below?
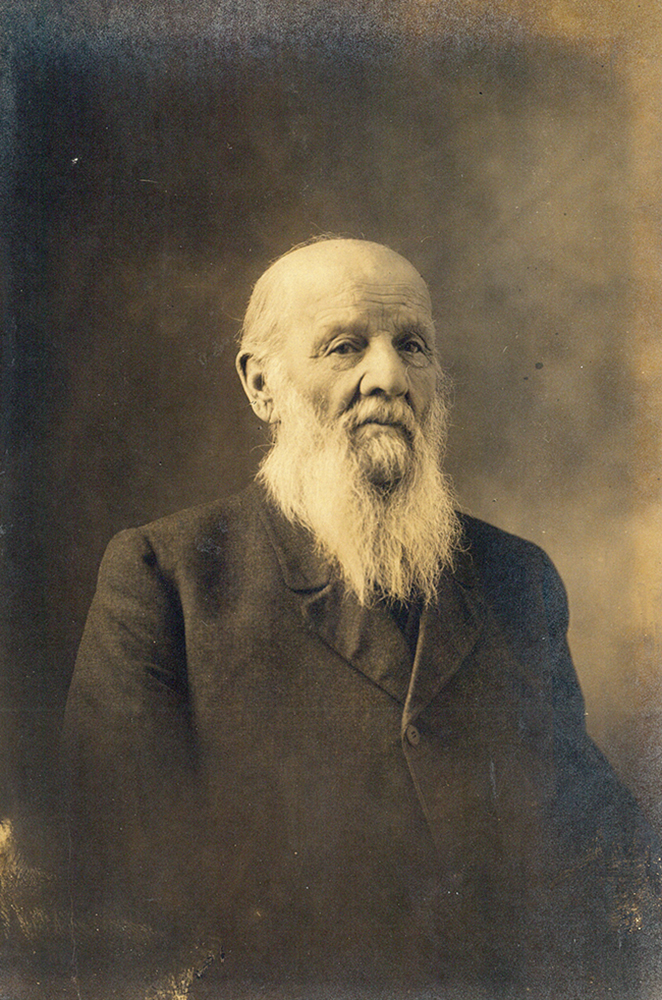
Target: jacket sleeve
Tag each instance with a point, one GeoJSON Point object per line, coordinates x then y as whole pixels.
{"type": "Point", "coordinates": [587, 786]}
{"type": "Point", "coordinates": [128, 745]}
{"type": "Point", "coordinates": [609, 855]}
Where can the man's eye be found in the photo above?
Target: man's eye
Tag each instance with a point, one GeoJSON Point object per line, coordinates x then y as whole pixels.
{"type": "Point", "coordinates": [412, 347]}
{"type": "Point", "coordinates": [344, 347]}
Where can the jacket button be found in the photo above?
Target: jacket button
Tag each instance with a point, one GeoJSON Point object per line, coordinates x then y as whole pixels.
{"type": "Point", "coordinates": [413, 736]}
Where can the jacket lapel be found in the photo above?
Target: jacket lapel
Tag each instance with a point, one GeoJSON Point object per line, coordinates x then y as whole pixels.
{"type": "Point", "coordinates": [449, 630]}
{"type": "Point", "coordinates": [368, 638]}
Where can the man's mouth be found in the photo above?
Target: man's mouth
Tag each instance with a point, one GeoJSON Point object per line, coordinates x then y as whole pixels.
{"type": "Point", "coordinates": [376, 418]}
{"type": "Point", "coordinates": [377, 426]}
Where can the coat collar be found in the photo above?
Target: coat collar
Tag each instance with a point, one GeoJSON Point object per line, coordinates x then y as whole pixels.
{"type": "Point", "coordinates": [368, 638]}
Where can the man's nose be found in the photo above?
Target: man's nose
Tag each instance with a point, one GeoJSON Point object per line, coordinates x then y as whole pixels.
{"type": "Point", "coordinates": [384, 371]}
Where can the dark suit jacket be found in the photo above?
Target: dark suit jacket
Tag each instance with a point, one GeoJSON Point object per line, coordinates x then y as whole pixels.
{"type": "Point", "coordinates": [256, 769]}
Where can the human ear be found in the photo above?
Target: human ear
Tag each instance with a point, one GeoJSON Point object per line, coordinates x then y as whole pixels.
{"type": "Point", "coordinates": [253, 379]}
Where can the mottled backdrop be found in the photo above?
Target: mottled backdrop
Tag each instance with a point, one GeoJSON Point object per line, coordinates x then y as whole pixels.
{"type": "Point", "coordinates": [155, 160]}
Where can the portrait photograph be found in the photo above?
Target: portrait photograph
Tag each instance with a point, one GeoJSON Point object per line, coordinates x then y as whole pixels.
{"type": "Point", "coordinates": [331, 498]}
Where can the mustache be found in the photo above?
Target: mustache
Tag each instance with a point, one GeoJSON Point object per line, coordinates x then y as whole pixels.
{"type": "Point", "coordinates": [395, 412]}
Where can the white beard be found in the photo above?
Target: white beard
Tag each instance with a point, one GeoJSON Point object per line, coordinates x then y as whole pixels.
{"type": "Point", "coordinates": [379, 507]}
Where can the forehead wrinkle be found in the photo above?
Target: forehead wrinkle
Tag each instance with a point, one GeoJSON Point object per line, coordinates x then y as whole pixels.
{"type": "Point", "coordinates": [357, 290]}
{"type": "Point", "coordinates": [386, 299]}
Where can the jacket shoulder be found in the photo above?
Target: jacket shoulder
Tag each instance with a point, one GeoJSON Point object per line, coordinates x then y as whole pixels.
{"type": "Point", "coordinates": [216, 516]}
{"type": "Point", "coordinates": [487, 542]}
{"type": "Point", "coordinates": [210, 532]}
{"type": "Point", "coordinates": [516, 575]}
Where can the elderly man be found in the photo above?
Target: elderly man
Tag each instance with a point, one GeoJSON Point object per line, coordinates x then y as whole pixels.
{"type": "Point", "coordinates": [329, 729]}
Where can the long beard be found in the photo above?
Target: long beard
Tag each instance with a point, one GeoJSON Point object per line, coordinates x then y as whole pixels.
{"type": "Point", "coordinates": [376, 501]}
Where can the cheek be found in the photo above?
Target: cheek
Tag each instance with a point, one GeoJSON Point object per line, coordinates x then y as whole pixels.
{"type": "Point", "coordinates": [423, 388]}
{"type": "Point", "coordinates": [333, 395]}
{"type": "Point", "coordinates": [321, 399]}
{"type": "Point", "coordinates": [307, 384]}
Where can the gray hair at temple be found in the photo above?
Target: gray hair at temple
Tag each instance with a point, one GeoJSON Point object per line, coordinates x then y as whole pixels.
{"type": "Point", "coordinates": [260, 331]}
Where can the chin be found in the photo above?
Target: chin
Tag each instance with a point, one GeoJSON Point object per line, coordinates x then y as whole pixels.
{"type": "Point", "coordinates": [385, 485]}
{"type": "Point", "coordinates": [385, 464]}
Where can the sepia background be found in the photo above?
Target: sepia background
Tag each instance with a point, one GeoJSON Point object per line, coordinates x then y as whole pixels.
{"type": "Point", "coordinates": [155, 160]}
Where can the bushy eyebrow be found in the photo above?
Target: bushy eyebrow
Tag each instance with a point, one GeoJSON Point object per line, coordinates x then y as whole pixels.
{"type": "Point", "coordinates": [338, 330]}
{"type": "Point", "coordinates": [416, 329]}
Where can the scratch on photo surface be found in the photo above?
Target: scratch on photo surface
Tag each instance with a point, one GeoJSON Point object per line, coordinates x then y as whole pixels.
{"type": "Point", "coordinates": [72, 928]}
